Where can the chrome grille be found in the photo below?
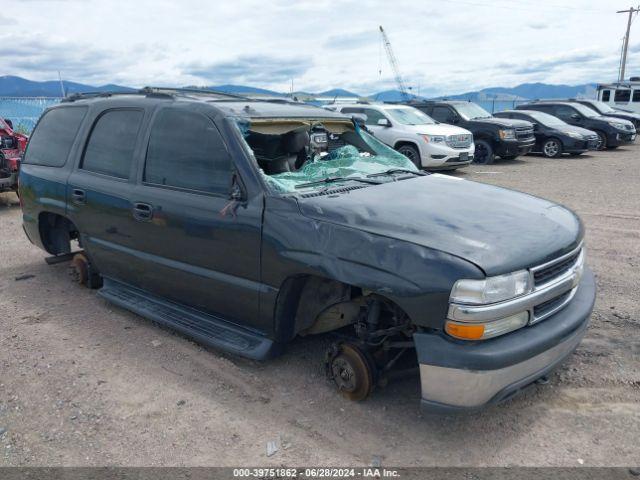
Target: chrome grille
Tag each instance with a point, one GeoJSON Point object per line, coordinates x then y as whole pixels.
{"type": "Point", "coordinates": [553, 273]}
{"type": "Point", "coordinates": [524, 133]}
{"type": "Point", "coordinates": [459, 141]}
{"type": "Point", "coordinates": [550, 305]}
{"type": "Point", "coordinates": [548, 273]}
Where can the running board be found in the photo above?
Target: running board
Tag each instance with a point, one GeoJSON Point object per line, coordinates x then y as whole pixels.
{"type": "Point", "coordinates": [206, 329]}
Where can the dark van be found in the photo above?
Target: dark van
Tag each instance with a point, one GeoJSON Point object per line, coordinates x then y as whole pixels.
{"type": "Point", "coordinates": [245, 224]}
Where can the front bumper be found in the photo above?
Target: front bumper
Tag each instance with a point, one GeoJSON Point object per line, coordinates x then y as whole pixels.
{"type": "Point", "coordinates": [620, 138]}
{"type": "Point", "coordinates": [513, 148]}
{"type": "Point", "coordinates": [439, 156]}
{"type": "Point", "coordinates": [573, 145]}
{"type": "Point", "coordinates": [459, 376]}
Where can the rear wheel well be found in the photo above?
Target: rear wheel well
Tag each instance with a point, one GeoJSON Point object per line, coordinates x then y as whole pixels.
{"type": "Point", "coordinates": [56, 232]}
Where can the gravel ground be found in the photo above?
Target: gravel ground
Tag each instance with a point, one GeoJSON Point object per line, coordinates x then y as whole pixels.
{"type": "Point", "coordinates": [85, 383]}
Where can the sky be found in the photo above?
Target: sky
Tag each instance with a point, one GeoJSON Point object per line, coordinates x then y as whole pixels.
{"type": "Point", "coordinates": [442, 46]}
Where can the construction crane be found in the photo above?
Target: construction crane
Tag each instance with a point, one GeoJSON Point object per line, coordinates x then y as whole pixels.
{"type": "Point", "coordinates": [394, 65]}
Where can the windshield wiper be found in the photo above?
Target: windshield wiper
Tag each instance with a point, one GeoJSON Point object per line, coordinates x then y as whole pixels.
{"type": "Point", "coordinates": [338, 179]}
{"type": "Point", "coordinates": [397, 170]}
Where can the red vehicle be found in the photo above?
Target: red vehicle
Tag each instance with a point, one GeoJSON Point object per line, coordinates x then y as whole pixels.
{"type": "Point", "coordinates": [12, 146]}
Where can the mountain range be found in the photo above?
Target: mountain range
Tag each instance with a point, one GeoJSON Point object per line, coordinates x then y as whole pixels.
{"type": "Point", "coordinates": [12, 86]}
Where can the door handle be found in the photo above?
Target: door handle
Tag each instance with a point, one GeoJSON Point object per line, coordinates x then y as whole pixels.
{"type": "Point", "coordinates": [143, 212]}
{"type": "Point", "coordinates": [78, 196]}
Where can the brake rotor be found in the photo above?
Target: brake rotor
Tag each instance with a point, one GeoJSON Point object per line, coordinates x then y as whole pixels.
{"type": "Point", "coordinates": [78, 269]}
{"type": "Point", "coordinates": [350, 369]}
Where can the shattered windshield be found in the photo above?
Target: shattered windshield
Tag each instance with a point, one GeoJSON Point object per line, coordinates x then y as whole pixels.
{"type": "Point", "coordinates": [303, 155]}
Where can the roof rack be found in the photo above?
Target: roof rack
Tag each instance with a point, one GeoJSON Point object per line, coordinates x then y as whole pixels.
{"type": "Point", "coordinates": [85, 95]}
{"type": "Point", "coordinates": [555, 100]}
{"type": "Point", "coordinates": [188, 90]}
{"type": "Point", "coordinates": [155, 92]}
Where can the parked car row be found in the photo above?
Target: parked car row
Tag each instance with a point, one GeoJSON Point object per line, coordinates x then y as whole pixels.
{"type": "Point", "coordinates": [444, 135]}
{"type": "Point", "coordinates": [611, 131]}
{"type": "Point", "coordinates": [427, 143]}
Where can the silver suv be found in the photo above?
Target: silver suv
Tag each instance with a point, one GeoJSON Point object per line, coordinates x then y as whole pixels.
{"type": "Point", "coordinates": [427, 143]}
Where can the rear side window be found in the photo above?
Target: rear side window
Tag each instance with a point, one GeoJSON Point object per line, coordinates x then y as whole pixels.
{"type": "Point", "coordinates": [113, 138]}
{"type": "Point", "coordinates": [564, 112]}
{"type": "Point", "coordinates": [51, 141]}
{"type": "Point", "coordinates": [373, 116]}
{"type": "Point", "coordinates": [606, 95]}
{"type": "Point", "coordinates": [186, 151]}
{"type": "Point", "coordinates": [622, 96]}
{"type": "Point", "coordinates": [442, 114]}
{"type": "Point", "coordinates": [636, 96]}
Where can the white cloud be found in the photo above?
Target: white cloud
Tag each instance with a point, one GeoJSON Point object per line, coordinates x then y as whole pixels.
{"type": "Point", "coordinates": [445, 46]}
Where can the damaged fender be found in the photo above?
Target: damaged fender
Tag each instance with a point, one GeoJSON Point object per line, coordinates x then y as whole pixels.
{"type": "Point", "coordinates": [415, 278]}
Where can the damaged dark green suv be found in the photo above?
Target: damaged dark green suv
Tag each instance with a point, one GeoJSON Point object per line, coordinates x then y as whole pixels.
{"type": "Point", "coordinates": [245, 224]}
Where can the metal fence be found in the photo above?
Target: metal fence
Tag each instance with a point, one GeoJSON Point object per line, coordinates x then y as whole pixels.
{"type": "Point", "coordinates": [24, 112]}
{"type": "Point", "coordinates": [494, 106]}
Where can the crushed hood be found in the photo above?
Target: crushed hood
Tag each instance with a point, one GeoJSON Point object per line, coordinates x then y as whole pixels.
{"type": "Point", "coordinates": [498, 230]}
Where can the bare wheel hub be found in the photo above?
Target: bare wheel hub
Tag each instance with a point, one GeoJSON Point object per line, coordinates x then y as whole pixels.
{"type": "Point", "coordinates": [351, 370]}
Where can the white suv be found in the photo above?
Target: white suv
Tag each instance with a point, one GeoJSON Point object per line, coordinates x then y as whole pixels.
{"type": "Point", "coordinates": [427, 143]}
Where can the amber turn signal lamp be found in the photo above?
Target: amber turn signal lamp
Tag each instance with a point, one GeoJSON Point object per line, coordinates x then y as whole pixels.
{"type": "Point", "coordinates": [464, 331]}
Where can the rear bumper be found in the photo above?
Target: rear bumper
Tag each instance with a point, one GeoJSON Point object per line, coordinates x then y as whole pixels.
{"type": "Point", "coordinates": [459, 376]}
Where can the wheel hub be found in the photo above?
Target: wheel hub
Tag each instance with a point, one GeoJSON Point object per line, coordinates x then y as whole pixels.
{"type": "Point", "coordinates": [351, 370]}
{"type": "Point", "coordinates": [551, 148]}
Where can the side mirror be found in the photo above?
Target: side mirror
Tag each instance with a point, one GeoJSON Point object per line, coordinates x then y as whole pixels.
{"type": "Point", "coordinates": [575, 116]}
{"type": "Point", "coordinates": [454, 119]}
{"type": "Point", "coordinates": [383, 122]}
{"type": "Point", "coordinates": [236, 192]}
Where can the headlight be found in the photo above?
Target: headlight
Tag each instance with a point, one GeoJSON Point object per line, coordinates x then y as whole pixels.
{"type": "Point", "coordinates": [619, 126]}
{"type": "Point", "coordinates": [509, 134]}
{"type": "Point", "coordinates": [491, 289]}
{"type": "Point", "coordinates": [575, 135]}
{"type": "Point", "coordinates": [482, 331]}
{"type": "Point", "coordinates": [433, 138]}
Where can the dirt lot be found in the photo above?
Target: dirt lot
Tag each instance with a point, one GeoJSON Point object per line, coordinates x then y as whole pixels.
{"type": "Point", "coordinates": [86, 383]}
